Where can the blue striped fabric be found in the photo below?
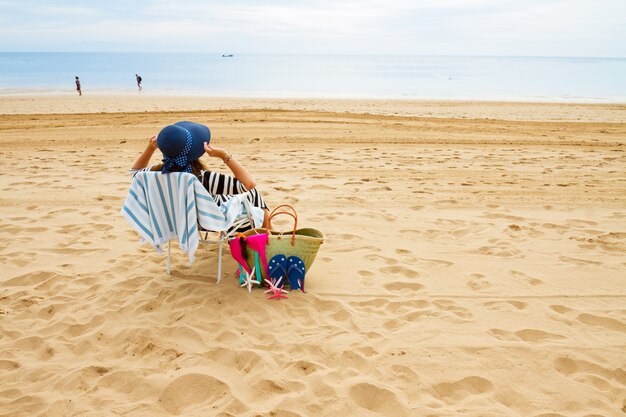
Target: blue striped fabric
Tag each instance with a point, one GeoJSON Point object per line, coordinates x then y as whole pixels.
{"type": "Point", "coordinates": [161, 207]}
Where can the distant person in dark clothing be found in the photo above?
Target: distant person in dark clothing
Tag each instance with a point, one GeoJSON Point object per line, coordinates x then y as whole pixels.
{"type": "Point", "coordinates": [138, 81]}
{"type": "Point", "coordinates": [80, 93]}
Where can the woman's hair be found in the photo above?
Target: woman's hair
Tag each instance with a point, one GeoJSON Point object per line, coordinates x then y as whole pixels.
{"type": "Point", "coordinates": [197, 166]}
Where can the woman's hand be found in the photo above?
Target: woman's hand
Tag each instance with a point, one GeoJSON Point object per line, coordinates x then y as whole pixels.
{"type": "Point", "coordinates": [215, 152]}
{"type": "Point", "coordinates": [153, 143]}
{"type": "Point", "coordinates": [143, 160]}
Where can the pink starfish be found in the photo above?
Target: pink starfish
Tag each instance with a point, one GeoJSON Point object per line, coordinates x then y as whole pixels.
{"type": "Point", "coordinates": [277, 292]}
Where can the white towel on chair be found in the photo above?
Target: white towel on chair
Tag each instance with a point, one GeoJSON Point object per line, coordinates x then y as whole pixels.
{"type": "Point", "coordinates": [162, 207]}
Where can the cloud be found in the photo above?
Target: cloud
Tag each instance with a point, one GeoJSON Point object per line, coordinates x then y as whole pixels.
{"type": "Point", "coordinates": [501, 27]}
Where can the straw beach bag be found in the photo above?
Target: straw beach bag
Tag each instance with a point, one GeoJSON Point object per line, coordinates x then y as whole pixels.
{"type": "Point", "coordinates": [303, 243]}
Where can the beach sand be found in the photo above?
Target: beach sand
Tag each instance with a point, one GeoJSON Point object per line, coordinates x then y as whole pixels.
{"type": "Point", "coordinates": [474, 264]}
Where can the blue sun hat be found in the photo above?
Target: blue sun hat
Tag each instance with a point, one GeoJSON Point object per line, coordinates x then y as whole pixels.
{"type": "Point", "coordinates": [182, 143]}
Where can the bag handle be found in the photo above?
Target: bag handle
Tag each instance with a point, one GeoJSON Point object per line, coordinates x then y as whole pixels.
{"type": "Point", "coordinates": [283, 205]}
{"type": "Point", "coordinates": [276, 212]}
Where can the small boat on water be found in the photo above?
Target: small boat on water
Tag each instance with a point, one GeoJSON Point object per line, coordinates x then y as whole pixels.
{"type": "Point", "coordinates": [227, 55]}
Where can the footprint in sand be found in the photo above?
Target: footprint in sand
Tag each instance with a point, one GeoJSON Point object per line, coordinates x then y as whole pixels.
{"type": "Point", "coordinates": [434, 262]}
{"type": "Point", "coordinates": [406, 256]}
{"type": "Point", "coordinates": [610, 242]}
{"type": "Point", "coordinates": [325, 217]}
{"type": "Point", "coordinates": [453, 392]}
{"type": "Point", "coordinates": [556, 227]}
{"type": "Point", "coordinates": [580, 223]}
{"type": "Point", "coordinates": [100, 227]}
{"type": "Point", "coordinates": [560, 309]}
{"type": "Point", "coordinates": [527, 278]}
{"type": "Point", "coordinates": [501, 249]}
{"type": "Point", "coordinates": [386, 259]}
{"type": "Point", "coordinates": [269, 387]}
{"type": "Point", "coordinates": [191, 390]}
{"type": "Point", "coordinates": [244, 361]}
{"type": "Point", "coordinates": [384, 215]}
{"type": "Point", "coordinates": [450, 307]}
{"type": "Point", "coordinates": [446, 203]}
{"type": "Point", "coordinates": [22, 183]}
{"type": "Point", "coordinates": [290, 190]}
{"type": "Point", "coordinates": [377, 399]}
{"type": "Point", "coordinates": [517, 231]}
{"type": "Point", "coordinates": [18, 259]}
{"type": "Point", "coordinates": [504, 216]}
{"type": "Point", "coordinates": [525, 335]}
{"type": "Point", "coordinates": [478, 282]}
{"type": "Point", "coordinates": [600, 377]}
{"type": "Point", "coordinates": [534, 335]}
{"type": "Point", "coordinates": [8, 365]}
{"type": "Point", "coordinates": [32, 278]}
{"type": "Point", "coordinates": [374, 305]}
{"type": "Point", "coordinates": [505, 305]}
{"type": "Point", "coordinates": [347, 236]}
{"type": "Point", "coordinates": [601, 321]}
{"type": "Point", "coordinates": [459, 233]}
{"type": "Point", "coordinates": [396, 324]}
{"type": "Point", "coordinates": [18, 219]}
{"type": "Point", "coordinates": [580, 262]}
{"type": "Point", "coordinates": [406, 375]}
{"type": "Point", "coordinates": [303, 368]}
{"type": "Point", "coordinates": [403, 286]}
{"type": "Point", "coordinates": [400, 270]}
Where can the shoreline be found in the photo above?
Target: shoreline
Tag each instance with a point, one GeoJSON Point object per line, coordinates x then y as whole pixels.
{"type": "Point", "coordinates": [455, 109]}
{"type": "Point", "coordinates": [270, 95]}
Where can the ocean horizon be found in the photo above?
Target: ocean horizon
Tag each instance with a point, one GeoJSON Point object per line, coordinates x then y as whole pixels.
{"type": "Point", "coordinates": [563, 79]}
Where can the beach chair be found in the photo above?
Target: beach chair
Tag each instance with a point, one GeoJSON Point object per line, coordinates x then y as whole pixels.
{"type": "Point", "coordinates": [245, 221]}
{"type": "Point", "coordinates": [163, 207]}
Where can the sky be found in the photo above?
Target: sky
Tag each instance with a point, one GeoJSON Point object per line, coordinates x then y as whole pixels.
{"type": "Point", "coordinates": [419, 27]}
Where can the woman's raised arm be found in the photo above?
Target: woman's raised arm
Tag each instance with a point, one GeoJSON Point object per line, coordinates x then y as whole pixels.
{"type": "Point", "coordinates": [143, 159]}
{"type": "Point", "coordinates": [238, 171]}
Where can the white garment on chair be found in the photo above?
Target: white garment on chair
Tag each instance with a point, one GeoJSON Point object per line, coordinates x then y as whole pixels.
{"type": "Point", "coordinates": [162, 207]}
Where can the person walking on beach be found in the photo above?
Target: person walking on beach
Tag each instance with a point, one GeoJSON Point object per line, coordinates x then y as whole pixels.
{"type": "Point", "coordinates": [182, 145]}
{"type": "Point", "coordinates": [138, 77]}
{"type": "Point", "coordinates": [80, 93]}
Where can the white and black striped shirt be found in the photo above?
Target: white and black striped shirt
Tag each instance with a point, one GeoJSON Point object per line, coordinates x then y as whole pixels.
{"type": "Point", "coordinates": [222, 187]}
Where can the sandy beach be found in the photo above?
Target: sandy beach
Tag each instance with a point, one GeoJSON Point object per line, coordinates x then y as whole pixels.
{"type": "Point", "coordinates": [475, 263]}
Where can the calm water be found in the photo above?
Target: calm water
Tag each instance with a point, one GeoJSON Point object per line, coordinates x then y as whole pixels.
{"type": "Point", "coordinates": [358, 76]}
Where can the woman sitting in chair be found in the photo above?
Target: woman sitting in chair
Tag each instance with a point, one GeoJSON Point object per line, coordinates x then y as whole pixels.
{"type": "Point", "coordinates": [182, 145]}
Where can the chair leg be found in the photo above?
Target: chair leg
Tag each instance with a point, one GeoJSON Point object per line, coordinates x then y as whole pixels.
{"type": "Point", "coordinates": [219, 261]}
{"type": "Point", "coordinates": [168, 257]}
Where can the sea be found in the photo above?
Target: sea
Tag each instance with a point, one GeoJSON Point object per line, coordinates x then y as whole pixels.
{"type": "Point", "coordinates": [562, 79]}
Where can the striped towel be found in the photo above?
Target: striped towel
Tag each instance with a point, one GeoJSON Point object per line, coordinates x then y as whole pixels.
{"type": "Point", "coordinates": [162, 207]}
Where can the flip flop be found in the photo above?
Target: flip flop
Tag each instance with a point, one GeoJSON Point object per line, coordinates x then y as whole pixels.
{"type": "Point", "coordinates": [277, 268]}
{"type": "Point", "coordinates": [295, 273]}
